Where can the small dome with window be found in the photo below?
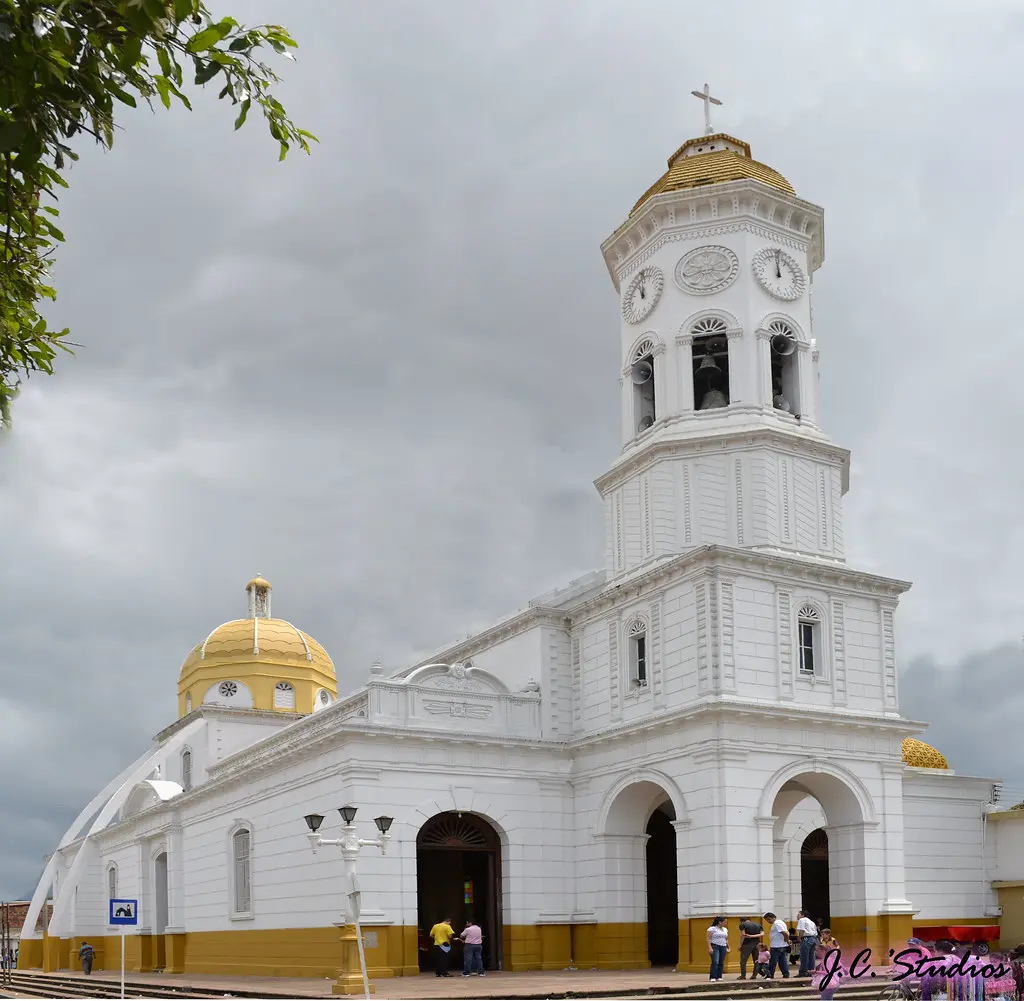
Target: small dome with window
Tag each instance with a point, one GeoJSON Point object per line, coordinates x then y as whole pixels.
{"type": "Point", "coordinates": [258, 662]}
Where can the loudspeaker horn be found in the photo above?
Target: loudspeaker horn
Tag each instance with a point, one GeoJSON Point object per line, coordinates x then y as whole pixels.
{"type": "Point", "coordinates": [783, 345]}
{"type": "Point", "coordinates": [641, 372]}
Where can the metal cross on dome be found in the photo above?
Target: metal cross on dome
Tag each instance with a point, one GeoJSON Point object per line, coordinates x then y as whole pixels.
{"type": "Point", "coordinates": [705, 96]}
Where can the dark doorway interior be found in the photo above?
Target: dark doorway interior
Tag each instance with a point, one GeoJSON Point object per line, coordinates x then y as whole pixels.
{"type": "Point", "coordinates": [814, 877]}
{"type": "Point", "coordinates": [662, 890]}
{"type": "Point", "coordinates": [458, 875]}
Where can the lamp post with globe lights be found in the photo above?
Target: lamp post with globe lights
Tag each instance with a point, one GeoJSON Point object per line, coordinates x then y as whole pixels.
{"type": "Point", "coordinates": [351, 934]}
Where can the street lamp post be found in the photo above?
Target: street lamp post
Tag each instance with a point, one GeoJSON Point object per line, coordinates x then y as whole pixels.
{"type": "Point", "coordinates": [351, 933]}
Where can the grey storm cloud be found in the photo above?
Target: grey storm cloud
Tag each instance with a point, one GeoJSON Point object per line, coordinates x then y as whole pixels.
{"type": "Point", "coordinates": [385, 376]}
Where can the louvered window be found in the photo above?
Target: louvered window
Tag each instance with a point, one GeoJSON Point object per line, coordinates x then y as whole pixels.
{"type": "Point", "coordinates": [243, 889]}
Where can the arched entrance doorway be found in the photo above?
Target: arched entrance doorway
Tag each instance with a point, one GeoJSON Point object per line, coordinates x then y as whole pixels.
{"type": "Point", "coordinates": [641, 865]}
{"type": "Point", "coordinates": [820, 852]}
{"type": "Point", "coordinates": [662, 889]}
{"type": "Point", "coordinates": [814, 876]}
{"type": "Point", "coordinates": [458, 875]}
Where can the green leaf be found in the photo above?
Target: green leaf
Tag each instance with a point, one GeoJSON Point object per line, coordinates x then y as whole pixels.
{"type": "Point", "coordinates": [165, 61]}
{"type": "Point", "coordinates": [207, 73]}
{"type": "Point", "coordinates": [240, 120]}
{"type": "Point", "coordinates": [123, 97]}
{"type": "Point", "coordinates": [163, 85]}
{"type": "Point", "coordinates": [204, 40]}
{"type": "Point", "coordinates": [12, 135]}
{"type": "Point", "coordinates": [183, 9]}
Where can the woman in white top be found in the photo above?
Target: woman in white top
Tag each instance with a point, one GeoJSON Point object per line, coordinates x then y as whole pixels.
{"type": "Point", "coordinates": [718, 946]}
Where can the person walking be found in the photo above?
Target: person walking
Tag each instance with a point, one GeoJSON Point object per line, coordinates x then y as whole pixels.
{"type": "Point", "coordinates": [441, 935]}
{"type": "Point", "coordinates": [778, 946]}
{"type": "Point", "coordinates": [750, 943]}
{"type": "Point", "coordinates": [718, 946]}
{"type": "Point", "coordinates": [807, 933]}
{"type": "Point", "coordinates": [86, 954]}
{"type": "Point", "coordinates": [473, 950]}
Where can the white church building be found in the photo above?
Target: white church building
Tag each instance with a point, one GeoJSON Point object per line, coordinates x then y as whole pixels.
{"type": "Point", "coordinates": [710, 724]}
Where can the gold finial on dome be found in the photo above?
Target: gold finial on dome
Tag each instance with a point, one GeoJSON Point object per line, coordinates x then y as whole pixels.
{"type": "Point", "coordinates": [259, 590]}
{"type": "Point", "coordinates": [918, 754]}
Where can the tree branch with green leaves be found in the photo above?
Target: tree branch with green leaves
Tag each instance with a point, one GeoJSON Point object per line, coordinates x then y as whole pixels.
{"type": "Point", "coordinates": [65, 69]}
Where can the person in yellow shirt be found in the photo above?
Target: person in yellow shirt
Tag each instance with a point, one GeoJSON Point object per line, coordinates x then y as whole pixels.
{"type": "Point", "coordinates": [442, 934]}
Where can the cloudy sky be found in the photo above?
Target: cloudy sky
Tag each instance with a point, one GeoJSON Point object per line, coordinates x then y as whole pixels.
{"type": "Point", "coordinates": [385, 376]}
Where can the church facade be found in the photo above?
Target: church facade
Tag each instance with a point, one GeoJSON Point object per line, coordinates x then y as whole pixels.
{"type": "Point", "coordinates": [710, 724]}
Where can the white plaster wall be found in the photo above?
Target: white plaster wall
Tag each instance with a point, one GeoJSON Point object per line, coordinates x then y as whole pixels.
{"type": "Point", "coordinates": [1006, 835]}
{"type": "Point", "coordinates": [945, 843]}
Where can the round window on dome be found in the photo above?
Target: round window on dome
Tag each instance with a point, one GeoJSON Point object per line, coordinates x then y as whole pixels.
{"type": "Point", "coordinates": [228, 689]}
{"type": "Point", "coordinates": [325, 698]}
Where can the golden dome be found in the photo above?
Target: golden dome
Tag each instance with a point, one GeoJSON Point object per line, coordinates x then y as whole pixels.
{"type": "Point", "coordinates": [918, 754]}
{"type": "Point", "coordinates": [261, 641]}
{"type": "Point", "coordinates": [713, 160]}
{"type": "Point", "coordinates": [258, 663]}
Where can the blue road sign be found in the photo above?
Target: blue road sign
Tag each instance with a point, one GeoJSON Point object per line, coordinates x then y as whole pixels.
{"type": "Point", "coordinates": [124, 912]}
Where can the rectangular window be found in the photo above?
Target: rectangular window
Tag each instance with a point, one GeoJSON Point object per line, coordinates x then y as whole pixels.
{"type": "Point", "coordinates": [112, 883]}
{"type": "Point", "coordinates": [186, 771]}
{"type": "Point", "coordinates": [641, 660]}
{"type": "Point", "coordinates": [243, 896]}
{"type": "Point", "coordinates": [806, 647]}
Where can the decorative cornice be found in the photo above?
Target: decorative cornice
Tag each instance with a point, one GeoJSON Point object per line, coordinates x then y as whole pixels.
{"type": "Point", "coordinates": [794, 442]}
{"type": "Point", "coordinates": [641, 236]}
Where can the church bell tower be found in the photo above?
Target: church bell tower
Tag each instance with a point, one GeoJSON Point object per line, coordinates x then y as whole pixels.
{"type": "Point", "coordinates": [719, 366]}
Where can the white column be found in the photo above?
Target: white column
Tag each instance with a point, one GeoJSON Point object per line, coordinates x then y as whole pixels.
{"type": "Point", "coordinates": [808, 411]}
{"type": "Point", "coordinates": [175, 881]}
{"type": "Point", "coordinates": [625, 878]}
{"type": "Point", "coordinates": [766, 862]}
{"type": "Point", "coordinates": [739, 369]}
{"type": "Point", "coordinates": [848, 889]}
{"type": "Point", "coordinates": [764, 368]}
{"type": "Point", "coordinates": [684, 372]}
{"type": "Point", "coordinates": [626, 393]}
{"type": "Point", "coordinates": [662, 404]}
{"type": "Point", "coordinates": [890, 840]}
{"type": "Point", "coordinates": [682, 829]}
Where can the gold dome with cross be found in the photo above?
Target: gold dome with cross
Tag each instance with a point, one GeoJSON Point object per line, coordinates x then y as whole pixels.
{"type": "Point", "coordinates": [714, 158]}
{"type": "Point", "coordinates": [258, 662]}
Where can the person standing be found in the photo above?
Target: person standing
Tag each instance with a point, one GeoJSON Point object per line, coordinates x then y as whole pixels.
{"type": "Point", "coordinates": [86, 954]}
{"type": "Point", "coordinates": [778, 946]}
{"type": "Point", "coordinates": [807, 933]}
{"type": "Point", "coordinates": [473, 951]}
{"type": "Point", "coordinates": [441, 935]}
{"type": "Point", "coordinates": [718, 946]}
{"type": "Point", "coordinates": [750, 943]}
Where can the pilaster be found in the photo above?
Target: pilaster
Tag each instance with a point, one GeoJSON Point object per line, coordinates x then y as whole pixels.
{"type": "Point", "coordinates": [684, 370]}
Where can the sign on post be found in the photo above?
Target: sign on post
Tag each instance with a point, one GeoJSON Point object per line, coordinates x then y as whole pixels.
{"type": "Point", "coordinates": [123, 913]}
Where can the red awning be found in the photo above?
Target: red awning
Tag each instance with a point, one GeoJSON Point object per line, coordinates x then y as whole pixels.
{"type": "Point", "coordinates": [958, 933]}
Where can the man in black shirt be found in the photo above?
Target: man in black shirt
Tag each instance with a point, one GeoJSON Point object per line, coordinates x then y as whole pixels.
{"type": "Point", "coordinates": [751, 933]}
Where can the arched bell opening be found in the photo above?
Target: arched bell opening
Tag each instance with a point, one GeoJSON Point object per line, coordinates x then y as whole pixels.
{"type": "Point", "coordinates": [710, 364]}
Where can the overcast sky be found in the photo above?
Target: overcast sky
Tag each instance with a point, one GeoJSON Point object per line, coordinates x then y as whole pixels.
{"type": "Point", "coordinates": [386, 376]}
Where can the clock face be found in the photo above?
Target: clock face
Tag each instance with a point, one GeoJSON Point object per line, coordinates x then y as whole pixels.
{"type": "Point", "coordinates": [642, 294]}
{"type": "Point", "coordinates": [780, 276]}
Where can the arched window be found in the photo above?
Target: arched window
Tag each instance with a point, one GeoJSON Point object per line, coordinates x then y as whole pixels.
{"type": "Point", "coordinates": [808, 627]}
{"type": "Point", "coordinates": [641, 375]}
{"type": "Point", "coordinates": [241, 875]}
{"type": "Point", "coordinates": [111, 881]}
{"type": "Point", "coordinates": [637, 638]}
{"type": "Point", "coordinates": [186, 770]}
{"type": "Point", "coordinates": [710, 363]}
{"type": "Point", "coordinates": [284, 696]}
{"type": "Point", "coordinates": [785, 367]}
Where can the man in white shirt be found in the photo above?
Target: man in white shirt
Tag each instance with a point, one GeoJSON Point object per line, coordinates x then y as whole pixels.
{"type": "Point", "coordinates": [778, 946]}
{"type": "Point", "coordinates": [807, 931]}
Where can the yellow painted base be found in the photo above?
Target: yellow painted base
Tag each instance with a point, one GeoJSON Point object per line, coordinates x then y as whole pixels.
{"type": "Point", "coordinates": [1011, 924]}
{"type": "Point", "coordinates": [393, 951]}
